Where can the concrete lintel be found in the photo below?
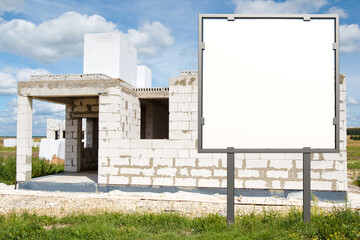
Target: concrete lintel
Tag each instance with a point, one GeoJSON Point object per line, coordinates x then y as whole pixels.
{"type": "Point", "coordinates": [68, 88]}
{"type": "Point", "coordinates": [152, 95]}
{"type": "Point", "coordinates": [59, 100]}
{"type": "Point", "coordinates": [84, 115]}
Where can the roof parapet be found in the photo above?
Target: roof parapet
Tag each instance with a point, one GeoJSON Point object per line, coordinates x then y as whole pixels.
{"type": "Point", "coordinates": [152, 89]}
{"type": "Point", "coordinates": [57, 77]}
{"type": "Point", "coordinates": [189, 73]}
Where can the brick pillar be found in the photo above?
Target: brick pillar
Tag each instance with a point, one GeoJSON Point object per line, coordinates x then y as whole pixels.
{"type": "Point", "coordinates": [183, 104]}
{"type": "Point", "coordinates": [341, 164]}
{"type": "Point", "coordinates": [111, 130]}
{"type": "Point", "coordinates": [24, 137]}
{"type": "Point", "coordinates": [72, 142]}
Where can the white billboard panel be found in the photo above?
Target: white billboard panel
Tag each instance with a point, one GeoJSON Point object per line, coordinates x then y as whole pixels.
{"type": "Point", "coordinates": [268, 83]}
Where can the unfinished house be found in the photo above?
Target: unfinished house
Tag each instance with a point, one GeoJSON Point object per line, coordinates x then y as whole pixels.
{"type": "Point", "coordinates": [55, 129]}
{"type": "Point", "coordinates": [147, 137]}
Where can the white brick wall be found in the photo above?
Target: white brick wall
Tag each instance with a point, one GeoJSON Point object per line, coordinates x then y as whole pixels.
{"type": "Point", "coordinates": [208, 162]}
{"type": "Point", "coordinates": [248, 173]}
{"type": "Point", "coordinates": [209, 183]}
{"type": "Point", "coordinates": [277, 174]}
{"type": "Point", "coordinates": [141, 181]}
{"type": "Point", "coordinates": [255, 184]}
{"type": "Point", "coordinates": [163, 181]}
{"type": "Point", "coordinates": [201, 173]}
{"type": "Point", "coordinates": [162, 162]}
{"type": "Point", "coordinates": [281, 164]}
{"type": "Point", "coordinates": [185, 182]}
{"type": "Point", "coordinates": [166, 171]}
{"type": "Point", "coordinates": [256, 163]}
{"type": "Point", "coordinates": [176, 162]}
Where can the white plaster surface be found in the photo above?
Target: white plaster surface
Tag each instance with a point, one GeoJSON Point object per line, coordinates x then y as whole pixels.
{"type": "Point", "coordinates": [10, 142]}
{"type": "Point", "coordinates": [143, 77]}
{"type": "Point", "coordinates": [235, 51]}
{"type": "Point", "coordinates": [111, 54]}
{"type": "Point", "coordinates": [49, 147]}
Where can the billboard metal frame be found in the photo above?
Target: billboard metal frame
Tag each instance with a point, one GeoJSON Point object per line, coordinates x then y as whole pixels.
{"type": "Point", "coordinates": [305, 17]}
{"type": "Point", "coordinates": [306, 151]}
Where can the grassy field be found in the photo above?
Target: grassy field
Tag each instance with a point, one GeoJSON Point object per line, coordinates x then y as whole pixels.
{"type": "Point", "coordinates": [337, 224]}
{"type": "Point", "coordinates": [353, 160]}
{"type": "Point", "coordinates": [353, 153]}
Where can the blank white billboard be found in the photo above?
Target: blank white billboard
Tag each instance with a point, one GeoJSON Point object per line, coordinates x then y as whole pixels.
{"type": "Point", "coordinates": [268, 83]}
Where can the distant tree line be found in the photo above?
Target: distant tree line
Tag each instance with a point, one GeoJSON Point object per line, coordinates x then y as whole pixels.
{"type": "Point", "coordinates": [353, 131]}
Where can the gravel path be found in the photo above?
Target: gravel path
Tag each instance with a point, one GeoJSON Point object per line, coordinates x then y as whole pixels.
{"type": "Point", "coordinates": [189, 204]}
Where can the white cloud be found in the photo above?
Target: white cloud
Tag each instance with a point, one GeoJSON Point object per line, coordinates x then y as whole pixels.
{"type": "Point", "coordinates": [273, 7]}
{"type": "Point", "coordinates": [11, 5]}
{"type": "Point", "coordinates": [350, 38]}
{"type": "Point", "coordinates": [337, 10]}
{"type": "Point", "coordinates": [9, 78]}
{"type": "Point", "coordinates": [63, 37]}
{"type": "Point", "coordinates": [46, 108]}
{"type": "Point", "coordinates": [150, 38]}
{"type": "Point", "coordinates": [351, 101]}
{"type": "Point", "coordinates": [41, 112]}
{"type": "Point", "coordinates": [51, 40]}
{"type": "Point", "coordinates": [7, 84]}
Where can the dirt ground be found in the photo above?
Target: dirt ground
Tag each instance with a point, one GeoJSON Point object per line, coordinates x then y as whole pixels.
{"type": "Point", "coordinates": [184, 203]}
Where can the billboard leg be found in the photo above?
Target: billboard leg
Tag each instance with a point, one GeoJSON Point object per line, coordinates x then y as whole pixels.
{"type": "Point", "coordinates": [306, 186]}
{"type": "Point", "coordinates": [230, 188]}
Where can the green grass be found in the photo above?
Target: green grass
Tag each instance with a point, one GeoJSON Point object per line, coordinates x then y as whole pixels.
{"type": "Point", "coordinates": [353, 152]}
{"type": "Point", "coordinates": [337, 224]}
{"type": "Point", "coordinates": [7, 149]}
{"type": "Point", "coordinates": [39, 168]}
{"type": "Point", "coordinates": [353, 164]}
{"type": "Point", "coordinates": [13, 149]}
{"type": "Point", "coordinates": [353, 159]}
{"type": "Point", "coordinates": [357, 181]}
{"type": "Point", "coordinates": [8, 170]}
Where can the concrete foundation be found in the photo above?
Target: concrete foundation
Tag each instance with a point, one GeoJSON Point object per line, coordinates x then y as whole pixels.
{"type": "Point", "coordinates": [87, 182]}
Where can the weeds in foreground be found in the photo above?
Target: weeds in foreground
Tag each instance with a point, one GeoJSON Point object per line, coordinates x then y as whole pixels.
{"type": "Point", "coordinates": [336, 224]}
{"type": "Point", "coordinates": [357, 181]}
{"type": "Point", "coordinates": [39, 167]}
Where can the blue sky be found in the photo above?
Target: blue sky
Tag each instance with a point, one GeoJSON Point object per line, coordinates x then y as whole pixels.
{"type": "Point", "coordinates": [42, 37]}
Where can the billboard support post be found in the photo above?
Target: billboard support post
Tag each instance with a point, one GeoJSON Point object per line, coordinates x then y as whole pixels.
{"type": "Point", "coordinates": [306, 186]}
{"type": "Point", "coordinates": [230, 186]}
